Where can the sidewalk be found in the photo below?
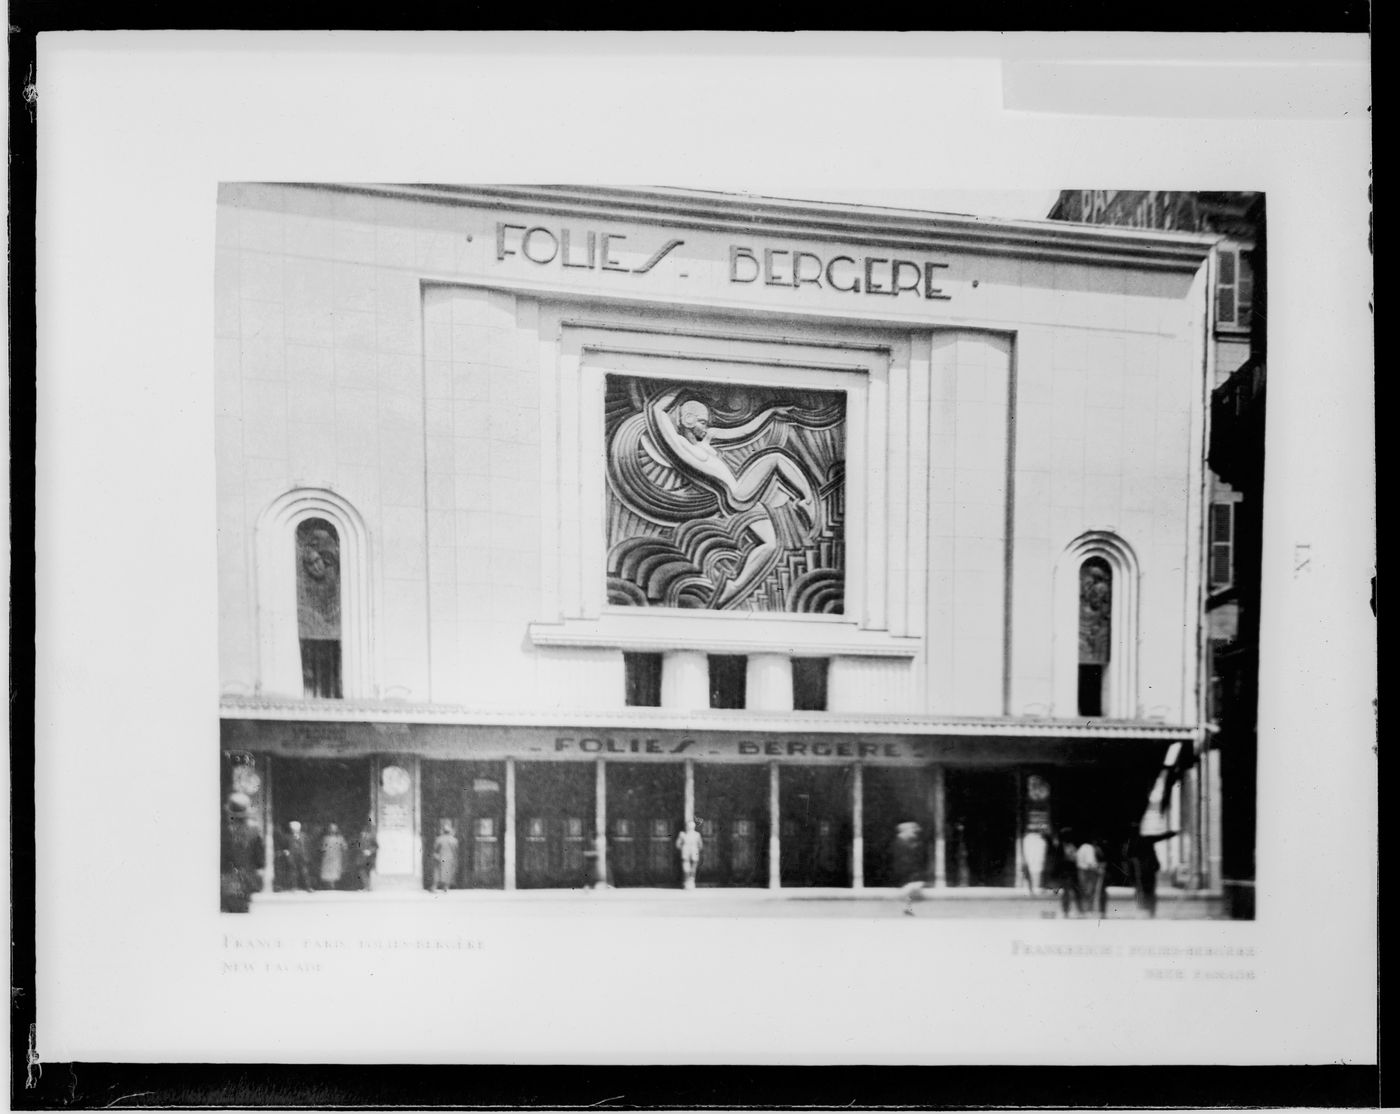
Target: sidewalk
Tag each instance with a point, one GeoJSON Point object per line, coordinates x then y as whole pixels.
{"type": "Point", "coordinates": [720, 894]}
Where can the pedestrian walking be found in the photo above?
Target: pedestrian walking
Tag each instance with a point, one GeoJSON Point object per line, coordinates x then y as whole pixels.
{"type": "Point", "coordinates": [909, 865]}
{"type": "Point", "coordinates": [333, 849]}
{"type": "Point", "coordinates": [1143, 864]}
{"type": "Point", "coordinates": [689, 844]}
{"type": "Point", "coordinates": [241, 852]}
{"type": "Point", "coordinates": [444, 858]}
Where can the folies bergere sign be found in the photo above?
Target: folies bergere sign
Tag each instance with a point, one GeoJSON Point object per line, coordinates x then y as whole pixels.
{"type": "Point", "coordinates": [791, 266]}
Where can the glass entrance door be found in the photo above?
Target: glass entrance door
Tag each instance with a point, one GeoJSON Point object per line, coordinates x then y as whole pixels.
{"type": "Point", "coordinates": [731, 813]}
{"type": "Point", "coordinates": [645, 805]}
{"type": "Point", "coordinates": [815, 805]}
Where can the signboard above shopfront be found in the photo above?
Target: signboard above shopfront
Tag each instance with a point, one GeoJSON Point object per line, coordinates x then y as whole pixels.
{"type": "Point", "coordinates": [563, 744]}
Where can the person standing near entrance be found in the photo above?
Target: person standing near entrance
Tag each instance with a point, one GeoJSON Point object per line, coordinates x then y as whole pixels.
{"type": "Point", "coordinates": [689, 843]}
{"type": "Point", "coordinates": [909, 865]}
{"type": "Point", "coordinates": [241, 852]}
{"type": "Point", "coordinates": [1062, 870]}
{"type": "Point", "coordinates": [1090, 865]}
{"type": "Point", "coordinates": [333, 848]}
{"type": "Point", "coordinates": [1033, 850]}
{"type": "Point", "coordinates": [1144, 865]}
{"type": "Point", "coordinates": [444, 859]}
{"type": "Point", "coordinates": [366, 855]}
{"type": "Point", "coordinates": [298, 857]}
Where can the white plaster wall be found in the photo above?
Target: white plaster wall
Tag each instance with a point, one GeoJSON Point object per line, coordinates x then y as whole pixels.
{"type": "Point", "coordinates": [442, 413]}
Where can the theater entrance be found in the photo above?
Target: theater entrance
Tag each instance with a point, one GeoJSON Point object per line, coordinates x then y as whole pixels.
{"type": "Point", "coordinates": [469, 798]}
{"type": "Point", "coordinates": [645, 807]}
{"type": "Point", "coordinates": [891, 797]}
{"type": "Point", "coordinates": [554, 811]}
{"type": "Point", "coordinates": [814, 807]}
{"type": "Point", "coordinates": [319, 792]}
{"type": "Point", "coordinates": [731, 814]}
{"type": "Point", "coordinates": [982, 820]}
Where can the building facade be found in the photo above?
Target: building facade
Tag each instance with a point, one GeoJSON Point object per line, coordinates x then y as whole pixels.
{"type": "Point", "coordinates": [1236, 490]}
{"type": "Point", "coordinates": [555, 518]}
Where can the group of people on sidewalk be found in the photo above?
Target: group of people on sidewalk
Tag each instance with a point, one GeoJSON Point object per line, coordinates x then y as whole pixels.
{"type": "Point", "coordinates": [1077, 869]}
{"type": "Point", "coordinates": [302, 861]}
{"type": "Point", "coordinates": [324, 859]}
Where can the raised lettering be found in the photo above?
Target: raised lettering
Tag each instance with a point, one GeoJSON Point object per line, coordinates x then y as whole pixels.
{"type": "Point", "coordinates": [797, 276]}
{"type": "Point", "coordinates": [747, 748]}
{"type": "Point", "coordinates": [870, 287]}
{"type": "Point", "coordinates": [605, 252]}
{"type": "Point", "coordinates": [899, 265]}
{"type": "Point", "coordinates": [653, 747]}
{"type": "Point", "coordinates": [869, 750]}
{"type": "Point", "coordinates": [931, 291]}
{"type": "Point", "coordinates": [684, 744]}
{"type": "Point", "coordinates": [854, 288]}
{"type": "Point", "coordinates": [821, 750]}
{"type": "Point", "coordinates": [844, 750]}
{"type": "Point", "coordinates": [774, 748]}
{"type": "Point", "coordinates": [891, 750]}
{"type": "Point", "coordinates": [800, 748]}
{"type": "Point", "coordinates": [562, 744]}
{"type": "Point", "coordinates": [736, 254]}
{"type": "Point", "coordinates": [592, 746]}
{"type": "Point", "coordinates": [501, 250]}
{"type": "Point", "coordinates": [525, 246]}
{"type": "Point", "coordinates": [564, 251]}
{"type": "Point", "coordinates": [770, 277]}
{"type": "Point", "coordinates": [661, 253]}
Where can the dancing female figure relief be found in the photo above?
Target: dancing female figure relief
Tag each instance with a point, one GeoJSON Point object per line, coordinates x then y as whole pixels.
{"type": "Point", "coordinates": [767, 479]}
{"type": "Point", "coordinates": [725, 496]}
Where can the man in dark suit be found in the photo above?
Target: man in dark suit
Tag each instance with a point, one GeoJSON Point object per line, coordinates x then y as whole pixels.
{"type": "Point", "coordinates": [241, 854]}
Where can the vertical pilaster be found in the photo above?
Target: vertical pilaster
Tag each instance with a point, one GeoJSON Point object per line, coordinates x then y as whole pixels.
{"type": "Point", "coordinates": [858, 827]}
{"type": "Point", "coordinates": [769, 683]}
{"type": "Point", "coordinates": [600, 816]}
{"type": "Point", "coordinates": [774, 842]}
{"type": "Point", "coordinates": [689, 814]}
{"type": "Point", "coordinates": [685, 680]}
{"type": "Point", "coordinates": [269, 828]}
{"type": "Point", "coordinates": [939, 808]}
{"type": "Point", "coordinates": [508, 836]}
{"type": "Point", "coordinates": [1020, 806]}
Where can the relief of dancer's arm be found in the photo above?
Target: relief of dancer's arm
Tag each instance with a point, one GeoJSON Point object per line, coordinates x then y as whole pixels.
{"type": "Point", "coordinates": [690, 437]}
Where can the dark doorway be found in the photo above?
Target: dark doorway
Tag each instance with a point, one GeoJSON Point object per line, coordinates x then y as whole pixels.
{"type": "Point", "coordinates": [554, 815]}
{"type": "Point", "coordinates": [320, 792]}
{"type": "Point", "coordinates": [814, 805]}
{"type": "Point", "coordinates": [645, 806]}
{"type": "Point", "coordinates": [1105, 806]}
{"type": "Point", "coordinates": [982, 821]}
{"type": "Point", "coordinates": [470, 797]}
{"type": "Point", "coordinates": [890, 798]}
{"type": "Point", "coordinates": [731, 813]}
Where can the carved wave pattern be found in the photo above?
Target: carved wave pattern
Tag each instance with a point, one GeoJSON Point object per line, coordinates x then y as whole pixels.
{"type": "Point", "coordinates": [676, 541]}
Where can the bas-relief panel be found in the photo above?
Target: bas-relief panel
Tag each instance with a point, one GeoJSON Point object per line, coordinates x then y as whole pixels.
{"type": "Point", "coordinates": [724, 496]}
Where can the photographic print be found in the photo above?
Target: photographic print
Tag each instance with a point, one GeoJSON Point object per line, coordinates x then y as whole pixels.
{"type": "Point", "coordinates": [674, 572]}
{"type": "Point", "coordinates": [691, 553]}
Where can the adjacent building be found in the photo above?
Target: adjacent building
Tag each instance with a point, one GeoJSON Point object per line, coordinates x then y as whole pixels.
{"type": "Point", "coordinates": [553, 518]}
